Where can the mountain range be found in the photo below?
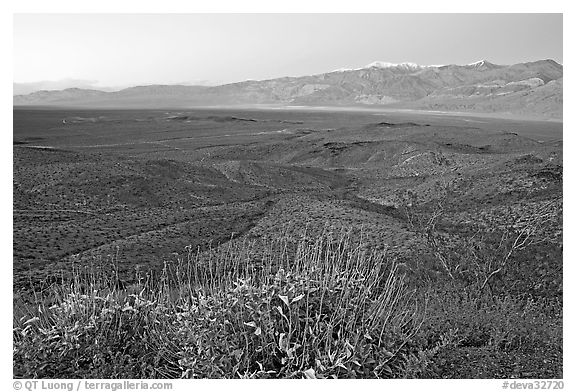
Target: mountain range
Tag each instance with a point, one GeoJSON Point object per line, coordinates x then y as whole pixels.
{"type": "Point", "coordinates": [532, 89]}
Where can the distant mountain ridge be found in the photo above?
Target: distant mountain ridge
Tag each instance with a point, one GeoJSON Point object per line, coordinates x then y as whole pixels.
{"type": "Point", "coordinates": [532, 88]}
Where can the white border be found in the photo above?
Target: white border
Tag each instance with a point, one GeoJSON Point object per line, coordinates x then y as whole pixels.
{"type": "Point", "coordinates": [300, 6]}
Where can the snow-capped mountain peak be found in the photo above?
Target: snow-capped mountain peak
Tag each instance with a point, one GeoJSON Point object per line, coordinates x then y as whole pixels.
{"type": "Point", "coordinates": [409, 67]}
{"type": "Point", "coordinates": [482, 64]}
{"type": "Point", "coordinates": [384, 64]}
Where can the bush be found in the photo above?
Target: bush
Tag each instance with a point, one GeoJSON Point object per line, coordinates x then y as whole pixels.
{"type": "Point", "coordinates": [332, 309]}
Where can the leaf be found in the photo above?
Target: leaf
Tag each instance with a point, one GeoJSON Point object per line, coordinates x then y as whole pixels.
{"type": "Point", "coordinates": [283, 342]}
{"type": "Point", "coordinates": [258, 331]}
{"type": "Point", "coordinates": [310, 374]}
{"type": "Point", "coordinates": [284, 298]}
{"type": "Point", "coordinates": [237, 354]}
{"type": "Point", "coordinates": [279, 308]}
{"type": "Point", "coordinates": [251, 324]}
{"type": "Point", "coordinates": [298, 298]}
{"type": "Point", "coordinates": [32, 320]}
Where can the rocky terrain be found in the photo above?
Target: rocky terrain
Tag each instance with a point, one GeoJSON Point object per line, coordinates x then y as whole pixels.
{"type": "Point", "coordinates": [466, 212]}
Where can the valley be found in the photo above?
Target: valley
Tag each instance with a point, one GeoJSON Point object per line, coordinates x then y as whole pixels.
{"type": "Point", "coordinates": [137, 189]}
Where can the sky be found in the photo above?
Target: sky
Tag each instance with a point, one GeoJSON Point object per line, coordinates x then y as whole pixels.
{"type": "Point", "coordinates": [121, 50]}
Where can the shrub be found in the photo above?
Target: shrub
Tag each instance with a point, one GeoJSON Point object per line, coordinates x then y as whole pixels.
{"type": "Point", "coordinates": [329, 309]}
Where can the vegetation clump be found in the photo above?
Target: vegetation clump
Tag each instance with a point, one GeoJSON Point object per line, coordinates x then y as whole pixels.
{"type": "Point", "coordinates": [333, 310]}
{"type": "Point", "coordinates": [329, 309]}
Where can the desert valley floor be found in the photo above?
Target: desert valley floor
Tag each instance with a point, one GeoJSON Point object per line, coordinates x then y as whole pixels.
{"type": "Point", "coordinates": [433, 191]}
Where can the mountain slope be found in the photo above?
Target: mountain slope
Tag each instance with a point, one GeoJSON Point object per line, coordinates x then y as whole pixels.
{"type": "Point", "coordinates": [534, 88]}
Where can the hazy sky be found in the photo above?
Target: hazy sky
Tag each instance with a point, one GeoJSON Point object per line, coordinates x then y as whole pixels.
{"type": "Point", "coordinates": [125, 49]}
